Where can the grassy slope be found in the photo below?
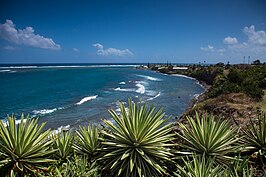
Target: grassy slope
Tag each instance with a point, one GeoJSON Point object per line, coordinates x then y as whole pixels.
{"type": "Point", "coordinates": [262, 104]}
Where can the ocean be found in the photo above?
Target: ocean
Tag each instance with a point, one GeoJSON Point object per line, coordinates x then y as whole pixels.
{"type": "Point", "coordinates": [73, 94]}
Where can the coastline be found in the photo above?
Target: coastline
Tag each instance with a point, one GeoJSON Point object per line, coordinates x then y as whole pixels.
{"type": "Point", "coordinates": [193, 102]}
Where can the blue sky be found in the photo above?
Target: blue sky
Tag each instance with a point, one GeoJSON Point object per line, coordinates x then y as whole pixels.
{"type": "Point", "coordinates": [122, 31]}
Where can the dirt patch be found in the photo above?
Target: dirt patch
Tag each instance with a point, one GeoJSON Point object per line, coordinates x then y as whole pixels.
{"type": "Point", "coordinates": [237, 107]}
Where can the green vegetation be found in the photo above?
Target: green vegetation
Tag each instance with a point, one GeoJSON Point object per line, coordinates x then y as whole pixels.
{"type": "Point", "coordinates": [24, 147]}
{"type": "Point", "coordinates": [138, 143]}
{"type": "Point", "coordinates": [199, 166]}
{"type": "Point", "coordinates": [262, 103]}
{"type": "Point", "coordinates": [250, 81]}
{"type": "Point", "coordinates": [207, 137]}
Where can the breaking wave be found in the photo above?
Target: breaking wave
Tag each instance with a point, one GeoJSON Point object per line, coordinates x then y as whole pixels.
{"type": "Point", "coordinates": [154, 97]}
{"type": "Point", "coordinates": [85, 99]}
{"type": "Point", "coordinates": [149, 78]}
{"type": "Point", "coordinates": [45, 111]}
{"type": "Point", "coordinates": [141, 88]}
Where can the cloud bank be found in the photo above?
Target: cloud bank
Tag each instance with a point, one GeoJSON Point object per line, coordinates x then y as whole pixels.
{"type": "Point", "coordinates": [111, 51]}
{"type": "Point", "coordinates": [25, 37]}
{"type": "Point", "coordinates": [255, 37]}
{"type": "Point", "coordinates": [254, 45]}
{"type": "Point", "coordinates": [230, 40]}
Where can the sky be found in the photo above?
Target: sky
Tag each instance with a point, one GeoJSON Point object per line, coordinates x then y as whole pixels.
{"type": "Point", "coordinates": [132, 31]}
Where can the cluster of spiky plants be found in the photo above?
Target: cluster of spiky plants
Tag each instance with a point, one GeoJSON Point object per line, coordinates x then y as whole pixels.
{"type": "Point", "coordinates": [24, 147]}
{"type": "Point", "coordinates": [139, 143]}
{"type": "Point", "coordinates": [209, 137]}
{"type": "Point", "coordinates": [88, 141]}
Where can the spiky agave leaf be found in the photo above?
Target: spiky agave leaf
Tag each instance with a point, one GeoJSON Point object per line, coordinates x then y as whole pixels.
{"type": "Point", "coordinates": [200, 166]}
{"type": "Point", "coordinates": [77, 166]}
{"type": "Point", "coordinates": [137, 141]}
{"type": "Point", "coordinates": [255, 136]}
{"type": "Point", "coordinates": [239, 168]}
{"type": "Point", "coordinates": [63, 144]}
{"type": "Point", "coordinates": [207, 136]}
{"type": "Point", "coordinates": [24, 146]}
{"type": "Point", "coordinates": [88, 141]}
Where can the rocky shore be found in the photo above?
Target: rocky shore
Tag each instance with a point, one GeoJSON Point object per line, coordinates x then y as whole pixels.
{"type": "Point", "coordinates": [239, 107]}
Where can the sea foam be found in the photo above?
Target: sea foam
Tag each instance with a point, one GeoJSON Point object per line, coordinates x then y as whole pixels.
{"type": "Point", "coordinates": [5, 70]}
{"type": "Point", "coordinates": [154, 97]}
{"type": "Point", "coordinates": [141, 88]}
{"type": "Point", "coordinates": [44, 111]}
{"type": "Point", "coordinates": [149, 78]}
{"type": "Point", "coordinates": [66, 66]}
{"type": "Point", "coordinates": [85, 99]}
{"type": "Point", "coordinates": [59, 130]}
{"type": "Point", "coordinates": [124, 90]}
{"type": "Point", "coordinates": [180, 75]}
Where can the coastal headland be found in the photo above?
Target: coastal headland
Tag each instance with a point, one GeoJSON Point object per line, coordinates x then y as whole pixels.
{"type": "Point", "coordinates": [234, 92]}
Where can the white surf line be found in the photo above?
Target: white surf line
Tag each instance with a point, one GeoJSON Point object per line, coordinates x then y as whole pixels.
{"type": "Point", "coordinates": [85, 99]}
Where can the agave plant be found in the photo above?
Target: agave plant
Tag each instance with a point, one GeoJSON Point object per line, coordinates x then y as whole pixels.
{"type": "Point", "coordinates": [239, 168]}
{"type": "Point", "coordinates": [255, 136]}
{"type": "Point", "coordinates": [88, 141]}
{"type": "Point", "coordinates": [63, 144]}
{"type": "Point", "coordinates": [137, 141]}
{"type": "Point", "coordinates": [77, 166]}
{"type": "Point", "coordinates": [199, 167]}
{"type": "Point", "coordinates": [24, 147]}
{"type": "Point", "coordinates": [208, 137]}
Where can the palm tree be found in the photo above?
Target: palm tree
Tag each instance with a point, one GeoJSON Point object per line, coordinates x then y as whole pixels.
{"type": "Point", "coordinates": [137, 142]}
{"type": "Point", "coordinates": [205, 136]}
{"type": "Point", "coordinates": [24, 147]}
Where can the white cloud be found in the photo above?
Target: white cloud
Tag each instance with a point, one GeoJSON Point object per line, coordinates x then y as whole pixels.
{"type": "Point", "coordinates": [230, 40]}
{"type": "Point", "coordinates": [111, 51]}
{"type": "Point", "coordinates": [209, 48]}
{"type": "Point", "coordinates": [8, 47]}
{"type": "Point", "coordinates": [75, 50]}
{"type": "Point", "coordinates": [26, 37]}
{"type": "Point", "coordinates": [255, 37]}
{"type": "Point", "coordinates": [254, 46]}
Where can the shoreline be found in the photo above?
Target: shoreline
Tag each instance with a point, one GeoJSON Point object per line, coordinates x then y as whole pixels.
{"type": "Point", "coordinates": [194, 101]}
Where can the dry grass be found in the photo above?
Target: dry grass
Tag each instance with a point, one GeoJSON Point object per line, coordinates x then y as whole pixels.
{"type": "Point", "coordinates": [262, 104]}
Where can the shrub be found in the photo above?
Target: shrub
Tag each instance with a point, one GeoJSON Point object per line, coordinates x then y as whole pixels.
{"type": "Point", "coordinates": [207, 137]}
{"type": "Point", "coordinates": [24, 147]}
{"type": "Point", "coordinates": [138, 141]}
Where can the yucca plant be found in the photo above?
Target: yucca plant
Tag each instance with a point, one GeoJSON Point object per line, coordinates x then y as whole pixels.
{"type": "Point", "coordinates": [200, 166]}
{"type": "Point", "coordinates": [63, 144]}
{"type": "Point", "coordinates": [77, 166]}
{"type": "Point", "coordinates": [137, 142]}
{"type": "Point", "coordinates": [209, 137]}
{"type": "Point", "coordinates": [24, 147]}
{"type": "Point", "coordinates": [255, 136]}
{"type": "Point", "coordinates": [239, 168]}
{"type": "Point", "coordinates": [88, 141]}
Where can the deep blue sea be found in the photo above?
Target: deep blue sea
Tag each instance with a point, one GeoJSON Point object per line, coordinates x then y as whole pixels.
{"type": "Point", "coordinates": [73, 95]}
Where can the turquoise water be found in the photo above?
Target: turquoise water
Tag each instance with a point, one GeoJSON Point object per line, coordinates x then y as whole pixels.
{"type": "Point", "coordinates": [76, 96]}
